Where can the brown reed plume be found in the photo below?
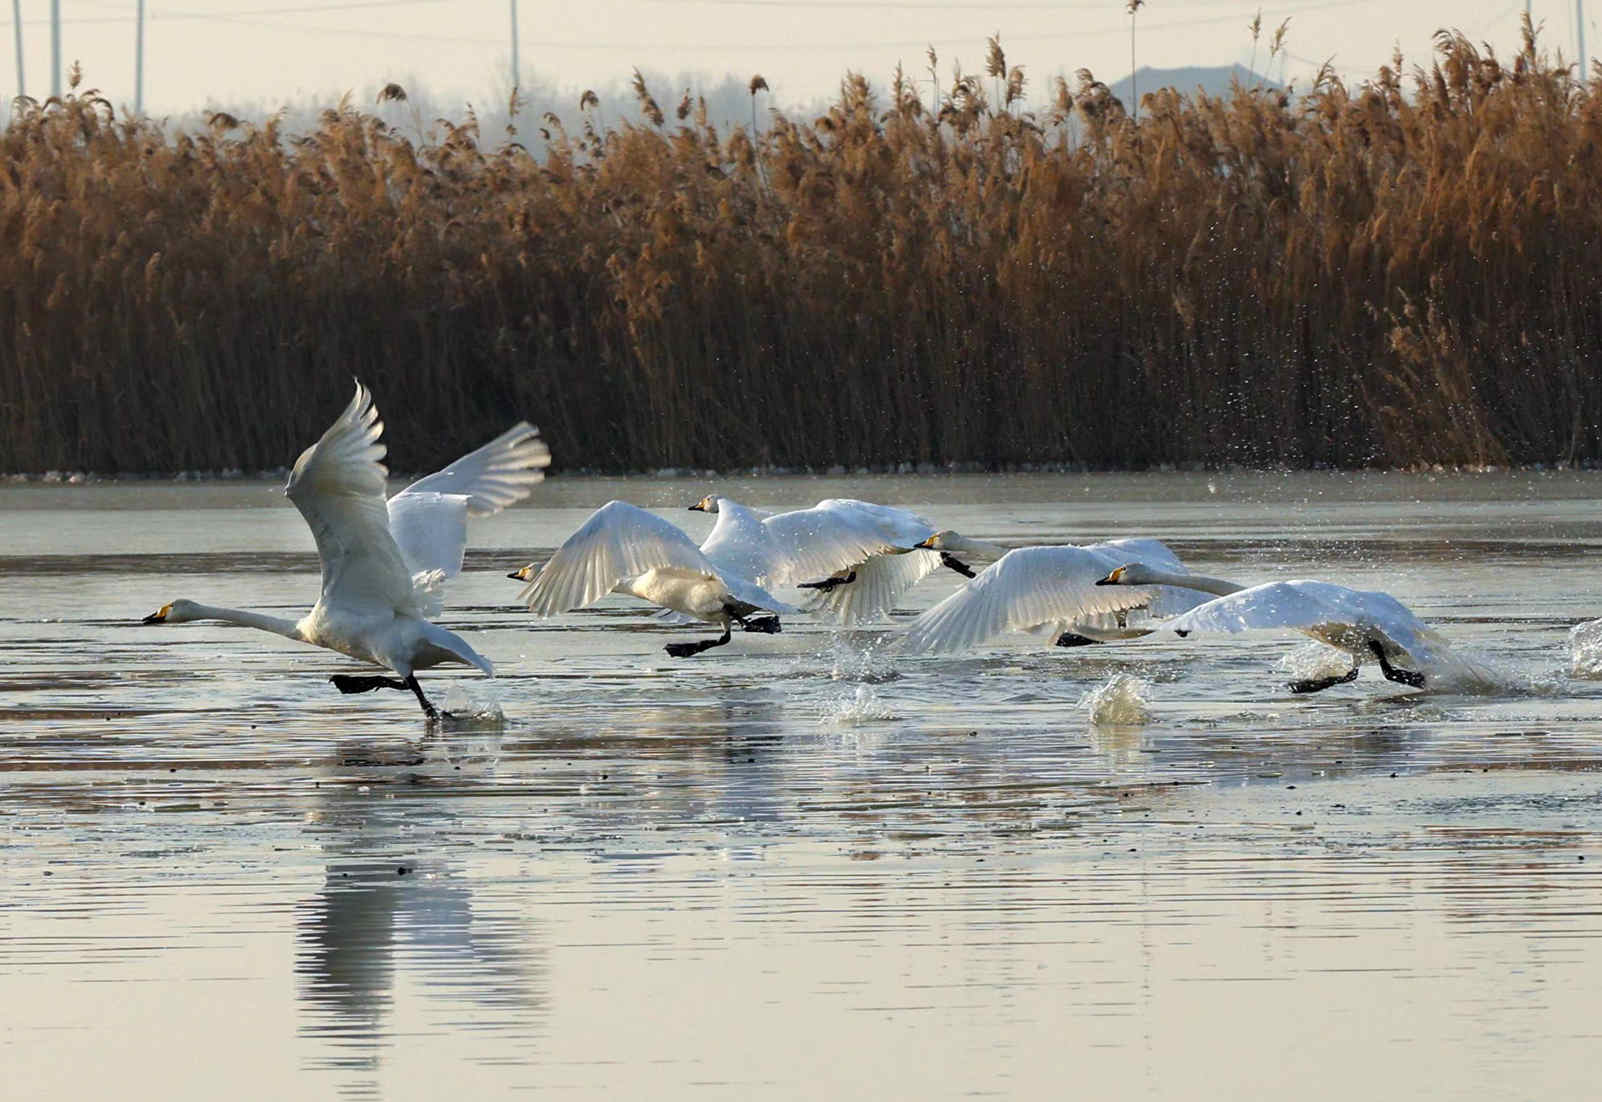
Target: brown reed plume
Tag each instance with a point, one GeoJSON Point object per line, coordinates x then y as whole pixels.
{"type": "Point", "coordinates": [1394, 273]}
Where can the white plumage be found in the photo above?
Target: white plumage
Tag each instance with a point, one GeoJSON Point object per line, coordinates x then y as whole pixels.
{"type": "Point", "coordinates": [1045, 590]}
{"type": "Point", "coordinates": [380, 584]}
{"type": "Point", "coordinates": [1369, 626]}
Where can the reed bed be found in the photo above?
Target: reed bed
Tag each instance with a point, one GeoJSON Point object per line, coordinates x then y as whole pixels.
{"type": "Point", "coordinates": [1399, 273]}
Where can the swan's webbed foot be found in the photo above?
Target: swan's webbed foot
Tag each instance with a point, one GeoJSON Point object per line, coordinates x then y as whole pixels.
{"type": "Point", "coordinates": [1402, 677]}
{"type": "Point", "coordinates": [951, 562]}
{"type": "Point", "coordinates": [690, 650]}
{"type": "Point", "coordinates": [830, 583]}
{"type": "Point", "coordinates": [1319, 684]}
{"type": "Point", "coordinates": [767, 625]}
{"type": "Point", "coordinates": [1071, 639]}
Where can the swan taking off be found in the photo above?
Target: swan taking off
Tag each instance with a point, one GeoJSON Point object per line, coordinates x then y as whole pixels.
{"type": "Point", "coordinates": [858, 556]}
{"type": "Point", "coordinates": [384, 564]}
{"type": "Point", "coordinates": [622, 548]}
{"type": "Point", "coordinates": [1363, 624]}
{"type": "Point", "coordinates": [1047, 590]}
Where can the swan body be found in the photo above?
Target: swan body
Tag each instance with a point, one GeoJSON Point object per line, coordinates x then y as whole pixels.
{"type": "Point", "coordinates": [621, 548]}
{"type": "Point", "coordinates": [1366, 625]}
{"type": "Point", "coordinates": [1045, 590]}
{"type": "Point", "coordinates": [858, 556]}
{"type": "Point", "coordinates": [384, 563]}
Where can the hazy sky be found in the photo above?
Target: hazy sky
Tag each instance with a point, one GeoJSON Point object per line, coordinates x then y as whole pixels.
{"type": "Point", "coordinates": [266, 52]}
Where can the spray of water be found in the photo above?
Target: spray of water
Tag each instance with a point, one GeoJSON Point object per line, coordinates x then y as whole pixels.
{"type": "Point", "coordinates": [1119, 702]}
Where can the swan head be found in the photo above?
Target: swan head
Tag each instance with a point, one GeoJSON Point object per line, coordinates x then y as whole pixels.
{"type": "Point", "coordinates": [953, 542]}
{"type": "Point", "coordinates": [708, 504]}
{"type": "Point", "coordinates": [523, 573]}
{"type": "Point", "coordinates": [1134, 573]}
{"type": "Point", "coordinates": [175, 613]}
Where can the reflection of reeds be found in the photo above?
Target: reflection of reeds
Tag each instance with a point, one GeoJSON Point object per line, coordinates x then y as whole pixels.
{"type": "Point", "coordinates": [1361, 276]}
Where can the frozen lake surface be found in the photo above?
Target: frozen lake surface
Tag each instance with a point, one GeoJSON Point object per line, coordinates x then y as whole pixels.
{"type": "Point", "coordinates": [800, 865]}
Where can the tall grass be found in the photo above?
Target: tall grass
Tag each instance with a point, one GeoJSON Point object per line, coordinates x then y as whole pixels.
{"type": "Point", "coordinates": [1407, 271]}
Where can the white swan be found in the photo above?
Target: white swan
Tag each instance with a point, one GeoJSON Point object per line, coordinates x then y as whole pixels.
{"type": "Point", "coordinates": [1051, 590]}
{"type": "Point", "coordinates": [383, 565]}
{"type": "Point", "coordinates": [622, 548]}
{"type": "Point", "coordinates": [860, 554]}
{"type": "Point", "coordinates": [860, 557]}
{"type": "Point", "coordinates": [1363, 624]}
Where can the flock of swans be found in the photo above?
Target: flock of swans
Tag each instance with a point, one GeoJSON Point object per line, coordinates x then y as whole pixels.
{"type": "Point", "coordinates": [385, 563]}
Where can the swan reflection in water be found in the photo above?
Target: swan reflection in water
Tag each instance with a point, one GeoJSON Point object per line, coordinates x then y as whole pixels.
{"type": "Point", "coordinates": [405, 937]}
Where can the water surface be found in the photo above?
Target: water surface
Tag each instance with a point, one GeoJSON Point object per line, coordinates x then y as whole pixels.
{"type": "Point", "coordinates": [801, 865]}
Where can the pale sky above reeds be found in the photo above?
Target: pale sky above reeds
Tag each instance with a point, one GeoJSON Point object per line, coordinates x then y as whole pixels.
{"type": "Point", "coordinates": [264, 53]}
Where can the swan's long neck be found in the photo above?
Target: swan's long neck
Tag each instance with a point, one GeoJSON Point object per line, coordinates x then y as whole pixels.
{"type": "Point", "coordinates": [1216, 586]}
{"type": "Point", "coordinates": [962, 545]}
{"type": "Point", "coordinates": [289, 629]}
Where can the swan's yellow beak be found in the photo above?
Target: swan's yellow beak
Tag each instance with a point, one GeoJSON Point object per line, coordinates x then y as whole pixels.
{"type": "Point", "coordinates": [1115, 578]}
{"type": "Point", "coordinates": [523, 573]}
{"type": "Point", "coordinates": [159, 616]}
{"type": "Point", "coordinates": [700, 506]}
{"type": "Point", "coordinates": [925, 544]}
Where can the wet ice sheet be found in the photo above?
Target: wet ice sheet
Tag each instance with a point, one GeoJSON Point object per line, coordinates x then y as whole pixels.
{"type": "Point", "coordinates": [806, 865]}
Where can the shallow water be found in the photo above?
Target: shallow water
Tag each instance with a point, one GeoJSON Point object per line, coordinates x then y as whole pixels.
{"type": "Point", "coordinates": [800, 865]}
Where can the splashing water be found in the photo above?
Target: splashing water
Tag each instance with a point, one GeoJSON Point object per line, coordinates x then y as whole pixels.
{"type": "Point", "coordinates": [863, 706]}
{"type": "Point", "coordinates": [1451, 670]}
{"type": "Point", "coordinates": [1585, 650]}
{"type": "Point", "coordinates": [477, 707]}
{"type": "Point", "coordinates": [1312, 661]}
{"type": "Point", "coordinates": [1121, 702]}
{"type": "Point", "coordinates": [869, 664]}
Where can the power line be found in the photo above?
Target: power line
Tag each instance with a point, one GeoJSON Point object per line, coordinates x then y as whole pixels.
{"type": "Point", "coordinates": [228, 16]}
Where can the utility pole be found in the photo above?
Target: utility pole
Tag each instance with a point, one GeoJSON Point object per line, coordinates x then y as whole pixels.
{"type": "Point", "coordinates": [1579, 26]}
{"type": "Point", "coordinates": [16, 31]}
{"type": "Point", "coordinates": [55, 47]}
{"type": "Point", "coordinates": [514, 46]}
{"type": "Point", "coordinates": [139, 62]}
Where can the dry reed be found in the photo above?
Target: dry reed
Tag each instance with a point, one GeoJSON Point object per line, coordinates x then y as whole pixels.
{"type": "Point", "coordinates": [1378, 275]}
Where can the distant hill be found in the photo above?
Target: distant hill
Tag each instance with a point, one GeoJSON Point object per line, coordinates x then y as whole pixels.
{"type": "Point", "coordinates": [1215, 81]}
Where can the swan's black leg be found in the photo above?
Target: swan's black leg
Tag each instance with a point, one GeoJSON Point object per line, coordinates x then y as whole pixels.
{"type": "Point", "coordinates": [1404, 677]}
{"type": "Point", "coordinates": [350, 683]}
{"type": "Point", "coordinates": [428, 709]}
{"type": "Point", "coordinates": [951, 562]}
{"type": "Point", "coordinates": [690, 650]}
{"type": "Point", "coordinates": [1319, 684]}
{"type": "Point", "coordinates": [830, 583]}
{"type": "Point", "coordinates": [1070, 639]}
{"type": "Point", "coordinates": [741, 614]}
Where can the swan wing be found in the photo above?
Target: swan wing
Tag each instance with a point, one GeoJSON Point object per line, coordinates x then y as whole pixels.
{"type": "Point", "coordinates": [619, 541]}
{"type": "Point", "coordinates": [430, 529]}
{"type": "Point", "coordinates": [429, 518]}
{"type": "Point", "coordinates": [807, 545]}
{"type": "Point", "coordinates": [338, 486]}
{"type": "Point", "coordinates": [878, 585]}
{"type": "Point", "coordinates": [1024, 588]}
{"type": "Point", "coordinates": [1338, 615]}
{"type": "Point", "coordinates": [501, 473]}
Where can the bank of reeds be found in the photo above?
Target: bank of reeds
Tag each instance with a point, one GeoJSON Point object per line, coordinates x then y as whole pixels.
{"type": "Point", "coordinates": [1404, 272]}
